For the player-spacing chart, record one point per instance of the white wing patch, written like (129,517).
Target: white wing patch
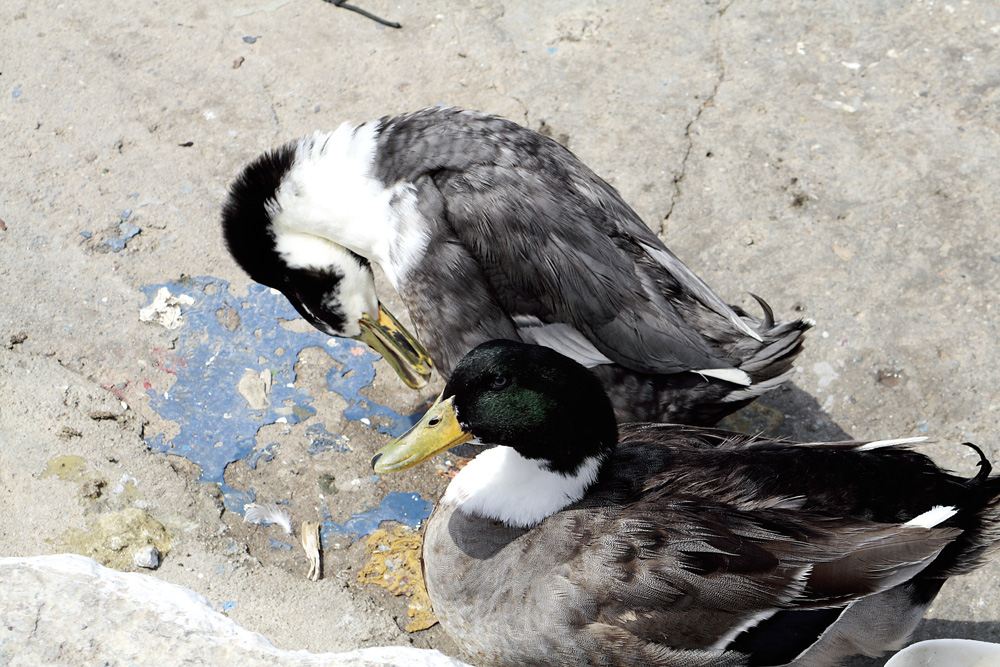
(563,338)
(932,517)
(734,375)
(408,242)
(878,444)
(791,592)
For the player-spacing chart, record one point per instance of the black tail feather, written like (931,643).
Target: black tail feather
(985,467)
(768,321)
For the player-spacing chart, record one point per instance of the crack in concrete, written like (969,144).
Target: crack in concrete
(524,108)
(709,101)
(38,617)
(265,86)
(272,107)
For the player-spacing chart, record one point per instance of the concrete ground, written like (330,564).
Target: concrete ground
(836,158)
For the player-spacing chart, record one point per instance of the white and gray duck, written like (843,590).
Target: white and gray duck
(573,541)
(489,230)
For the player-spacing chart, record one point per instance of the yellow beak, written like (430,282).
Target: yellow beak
(398,346)
(436,431)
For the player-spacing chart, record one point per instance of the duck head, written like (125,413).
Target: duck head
(330,286)
(548,418)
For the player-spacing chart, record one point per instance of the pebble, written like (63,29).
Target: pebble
(147,557)
(890,377)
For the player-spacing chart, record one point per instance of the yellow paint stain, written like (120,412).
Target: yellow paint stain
(394,564)
(116,536)
(67,468)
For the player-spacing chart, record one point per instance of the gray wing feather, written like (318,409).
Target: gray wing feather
(555,242)
(556,260)
(701,572)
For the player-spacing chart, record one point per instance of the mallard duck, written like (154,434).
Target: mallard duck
(571,541)
(489,230)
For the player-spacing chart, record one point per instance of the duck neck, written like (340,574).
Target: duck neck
(331,191)
(502,485)
(330,187)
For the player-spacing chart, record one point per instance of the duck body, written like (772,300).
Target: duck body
(677,549)
(489,230)
(682,545)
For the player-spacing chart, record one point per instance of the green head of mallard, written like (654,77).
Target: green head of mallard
(548,416)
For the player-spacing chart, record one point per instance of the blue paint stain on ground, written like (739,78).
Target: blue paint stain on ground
(278,544)
(322,441)
(406,508)
(265,455)
(216,424)
(351,379)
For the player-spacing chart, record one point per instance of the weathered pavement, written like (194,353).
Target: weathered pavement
(836,158)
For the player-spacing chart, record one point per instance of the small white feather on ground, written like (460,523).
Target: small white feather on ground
(267,514)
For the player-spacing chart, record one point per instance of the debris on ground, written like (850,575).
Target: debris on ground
(126,232)
(394,564)
(254,388)
(239,343)
(165,309)
(147,557)
(68,468)
(117,539)
(310,543)
(267,514)
(92,488)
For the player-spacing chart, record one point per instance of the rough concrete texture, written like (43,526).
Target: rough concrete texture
(836,158)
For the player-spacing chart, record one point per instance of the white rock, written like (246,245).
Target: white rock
(165,309)
(55,609)
(147,557)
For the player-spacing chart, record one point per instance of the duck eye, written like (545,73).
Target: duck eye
(499,382)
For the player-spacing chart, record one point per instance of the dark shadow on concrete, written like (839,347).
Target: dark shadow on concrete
(805,419)
(787,412)
(937,628)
